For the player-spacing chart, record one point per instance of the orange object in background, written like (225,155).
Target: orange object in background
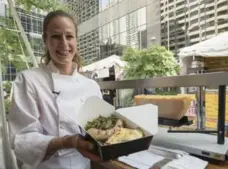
(169,106)
(174,107)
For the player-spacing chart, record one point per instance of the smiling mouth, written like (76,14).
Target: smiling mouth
(65,53)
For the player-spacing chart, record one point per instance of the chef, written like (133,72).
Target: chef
(46,100)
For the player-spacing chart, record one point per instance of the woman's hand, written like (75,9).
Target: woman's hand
(83,146)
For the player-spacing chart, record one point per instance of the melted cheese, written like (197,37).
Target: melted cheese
(124,135)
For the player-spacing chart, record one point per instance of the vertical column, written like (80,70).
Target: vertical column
(216,17)
(221,114)
(4,141)
(200,98)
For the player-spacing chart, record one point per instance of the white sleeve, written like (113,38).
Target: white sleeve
(28,142)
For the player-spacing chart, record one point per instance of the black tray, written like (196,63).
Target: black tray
(110,152)
(175,123)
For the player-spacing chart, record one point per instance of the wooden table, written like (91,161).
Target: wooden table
(119,165)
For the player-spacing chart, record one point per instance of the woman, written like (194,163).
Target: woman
(46,101)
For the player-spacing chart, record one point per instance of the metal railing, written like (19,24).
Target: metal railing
(218,80)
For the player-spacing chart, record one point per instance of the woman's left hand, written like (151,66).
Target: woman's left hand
(83,146)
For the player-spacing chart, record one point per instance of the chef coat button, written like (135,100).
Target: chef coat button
(62,126)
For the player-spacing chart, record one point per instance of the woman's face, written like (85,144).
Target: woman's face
(60,40)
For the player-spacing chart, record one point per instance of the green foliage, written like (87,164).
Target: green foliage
(127,101)
(7,103)
(45,5)
(152,62)
(7,86)
(12,47)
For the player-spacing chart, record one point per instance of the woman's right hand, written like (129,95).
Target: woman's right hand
(83,146)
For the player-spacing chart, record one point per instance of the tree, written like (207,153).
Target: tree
(152,62)
(155,61)
(12,48)
(44,5)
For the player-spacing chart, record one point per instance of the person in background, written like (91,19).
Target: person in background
(46,101)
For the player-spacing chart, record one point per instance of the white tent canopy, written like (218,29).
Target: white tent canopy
(216,46)
(100,69)
(108,62)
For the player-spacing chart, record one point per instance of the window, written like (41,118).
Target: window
(180,11)
(193,6)
(113,28)
(194,13)
(202,10)
(142,37)
(132,21)
(221,21)
(123,24)
(10,72)
(222,4)
(34,25)
(89,44)
(123,38)
(141,16)
(222,13)
(104,4)
(37,44)
(223,30)
(211,15)
(115,39)
(194,36)
(112,2)
(208,1)
(181,18)
(171,7)
(39,26)
(210,32)
(194,21)
(195,28)
(180,3)
(105,31)
(171,14)
(208,24)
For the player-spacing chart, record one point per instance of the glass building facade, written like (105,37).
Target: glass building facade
(112,30)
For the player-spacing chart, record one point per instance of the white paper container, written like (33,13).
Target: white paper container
(145,117)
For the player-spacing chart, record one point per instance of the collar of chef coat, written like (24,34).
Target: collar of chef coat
(54,69)
(62,82)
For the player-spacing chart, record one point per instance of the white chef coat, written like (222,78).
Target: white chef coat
(45,104)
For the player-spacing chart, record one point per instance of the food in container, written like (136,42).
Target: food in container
(111,130)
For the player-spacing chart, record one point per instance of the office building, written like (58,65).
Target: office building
(83,9)
(186,22)
(33,24)
(115,25)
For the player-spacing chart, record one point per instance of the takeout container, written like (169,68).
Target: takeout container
(169,106)
(144,117)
